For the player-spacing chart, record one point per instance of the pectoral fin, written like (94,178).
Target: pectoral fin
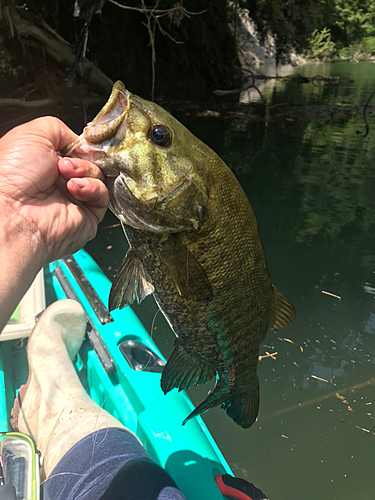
(283,311)
(189,276)
(184,371)
(131,283)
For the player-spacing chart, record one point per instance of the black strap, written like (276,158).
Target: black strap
(8,492)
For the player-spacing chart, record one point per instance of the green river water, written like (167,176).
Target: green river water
(312,187)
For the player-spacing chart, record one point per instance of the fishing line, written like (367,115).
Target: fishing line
(94,438)
(153,322)
(59,474)
(95,433)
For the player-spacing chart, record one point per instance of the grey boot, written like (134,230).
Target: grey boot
(53,407)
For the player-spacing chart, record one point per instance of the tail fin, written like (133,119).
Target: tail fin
(241,407)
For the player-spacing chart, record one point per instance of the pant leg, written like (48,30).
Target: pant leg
(109,465)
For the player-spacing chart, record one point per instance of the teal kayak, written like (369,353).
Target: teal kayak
(120,366)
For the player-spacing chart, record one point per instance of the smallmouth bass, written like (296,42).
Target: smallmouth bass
(194,244)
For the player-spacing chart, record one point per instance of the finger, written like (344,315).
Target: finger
(76,167)
(92,192)
(53,129)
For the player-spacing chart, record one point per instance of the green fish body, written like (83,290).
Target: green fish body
(194,243)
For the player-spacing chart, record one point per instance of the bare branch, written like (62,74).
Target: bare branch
(152,21)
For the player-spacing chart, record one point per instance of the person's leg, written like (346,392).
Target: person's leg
(109,465)
(86,452)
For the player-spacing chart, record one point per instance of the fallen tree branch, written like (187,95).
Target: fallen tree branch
(20,103)
(367,126)
(57,48)
(259,77)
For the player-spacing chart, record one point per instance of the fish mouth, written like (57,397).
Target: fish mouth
(93,143)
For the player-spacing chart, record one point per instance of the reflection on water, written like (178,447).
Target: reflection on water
(354,88)
(311,185)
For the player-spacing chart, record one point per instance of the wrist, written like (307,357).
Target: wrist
(21,258)
(20,239)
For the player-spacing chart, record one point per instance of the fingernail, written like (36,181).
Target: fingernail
(81,183)
(68,162)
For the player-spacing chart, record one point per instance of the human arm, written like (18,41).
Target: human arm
(49,206)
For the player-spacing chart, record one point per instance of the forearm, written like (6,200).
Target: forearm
(20,261)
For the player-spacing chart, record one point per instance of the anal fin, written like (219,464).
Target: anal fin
(184,370)
(283,311)
(131,284)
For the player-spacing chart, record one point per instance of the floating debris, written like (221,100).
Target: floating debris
(331,294)
(284,436)
(296,364)
(318,378)
(268,355)
(341,397)
(370,381)
(109,247)
(291,342)
(345,401)
(363,429)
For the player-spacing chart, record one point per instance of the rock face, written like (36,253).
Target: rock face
(252,52)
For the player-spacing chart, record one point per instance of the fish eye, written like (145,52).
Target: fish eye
(160,135)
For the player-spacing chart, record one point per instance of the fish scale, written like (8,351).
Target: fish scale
(194,243)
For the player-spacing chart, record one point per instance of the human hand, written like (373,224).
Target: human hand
(53,203)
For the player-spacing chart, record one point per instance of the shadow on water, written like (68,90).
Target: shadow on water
(202,471)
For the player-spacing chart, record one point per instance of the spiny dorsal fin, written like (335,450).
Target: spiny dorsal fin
(283,311)
(184,371)
(131,283)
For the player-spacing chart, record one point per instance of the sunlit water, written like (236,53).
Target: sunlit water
(311,185)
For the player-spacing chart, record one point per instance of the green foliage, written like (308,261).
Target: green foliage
(291,24)
(355,52)
(352,20)
(321,45)
(316,25)
(369,44)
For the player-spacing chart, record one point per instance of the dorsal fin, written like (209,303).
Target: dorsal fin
(283,311)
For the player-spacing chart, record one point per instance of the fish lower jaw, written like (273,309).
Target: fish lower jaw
(88,151)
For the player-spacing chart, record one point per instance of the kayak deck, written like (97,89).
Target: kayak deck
(120,366)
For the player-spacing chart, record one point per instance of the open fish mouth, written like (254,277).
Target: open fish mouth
(112,115)
(93,143)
